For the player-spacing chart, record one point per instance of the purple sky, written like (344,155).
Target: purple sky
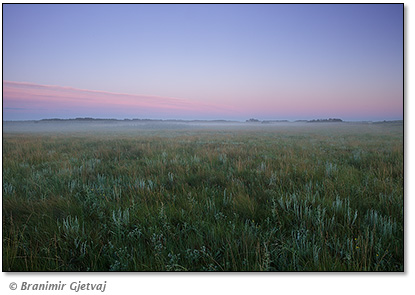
(203,61)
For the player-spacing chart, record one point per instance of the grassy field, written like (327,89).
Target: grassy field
(299,197)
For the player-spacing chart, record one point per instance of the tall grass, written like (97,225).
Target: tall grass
(292,199)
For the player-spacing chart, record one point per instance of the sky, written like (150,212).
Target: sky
(213,61)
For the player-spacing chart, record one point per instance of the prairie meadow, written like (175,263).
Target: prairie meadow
(207,197)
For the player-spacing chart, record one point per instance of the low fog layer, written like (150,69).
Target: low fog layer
(108,126)
(153,126)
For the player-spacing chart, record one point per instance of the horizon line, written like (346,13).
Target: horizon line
(250,120)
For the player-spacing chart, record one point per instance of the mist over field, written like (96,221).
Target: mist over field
(112,126)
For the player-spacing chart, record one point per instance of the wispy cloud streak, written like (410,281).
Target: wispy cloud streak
(19,95)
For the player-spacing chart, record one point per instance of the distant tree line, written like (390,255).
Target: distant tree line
(325,120)
(79,119)
(329,120)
